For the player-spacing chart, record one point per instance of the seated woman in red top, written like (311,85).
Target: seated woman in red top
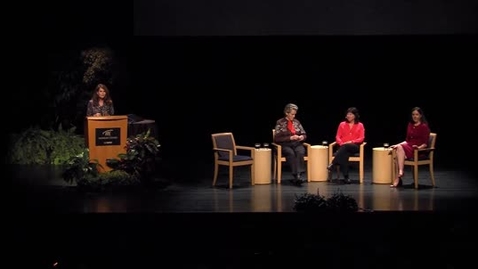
(418,134)
(350,134)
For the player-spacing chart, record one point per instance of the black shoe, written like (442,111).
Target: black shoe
(296,182)
(300,179)
(347,180)
(330,166)
(329,176)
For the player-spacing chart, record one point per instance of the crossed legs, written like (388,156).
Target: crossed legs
(399,164)
(342,159)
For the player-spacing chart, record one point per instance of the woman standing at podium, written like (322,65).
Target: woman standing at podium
(101,103)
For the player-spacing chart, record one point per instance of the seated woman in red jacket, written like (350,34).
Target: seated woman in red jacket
(350,134)
(418,134)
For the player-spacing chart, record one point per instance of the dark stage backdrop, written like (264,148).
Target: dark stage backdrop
(197,86)
(100,18)
(214,67)
(309,17)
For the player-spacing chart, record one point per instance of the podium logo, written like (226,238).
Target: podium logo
(107,132)
(108,136)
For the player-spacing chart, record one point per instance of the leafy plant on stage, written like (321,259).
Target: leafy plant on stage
(73,76)
(338,202)
(308,202)
(117,179)
(81,170)
(109,181)
(35,146)
(134,168)
(141,158)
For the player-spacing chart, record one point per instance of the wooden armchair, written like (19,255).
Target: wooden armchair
(225,153)
(278,159)
(358,157)
(420,157)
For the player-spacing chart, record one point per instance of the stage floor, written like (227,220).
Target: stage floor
(192,225)
(41,189)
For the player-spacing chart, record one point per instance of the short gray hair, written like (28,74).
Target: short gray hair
(290,107)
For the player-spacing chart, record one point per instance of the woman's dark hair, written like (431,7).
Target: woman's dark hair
(420,111)
(354,111)
(95,97)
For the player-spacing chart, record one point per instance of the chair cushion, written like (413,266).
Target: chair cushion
(236,158)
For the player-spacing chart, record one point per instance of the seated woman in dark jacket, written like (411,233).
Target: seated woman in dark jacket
(290,134)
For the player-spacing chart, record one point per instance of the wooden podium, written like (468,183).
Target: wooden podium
(106,138)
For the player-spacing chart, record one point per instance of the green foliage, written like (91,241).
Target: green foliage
(141,157)
(98,63)
(118,178)
(39,147)
(112,180)
(338,202)
(29,147)
(310,202)
(65,144)
(134,168)
(72,80)
(80,168)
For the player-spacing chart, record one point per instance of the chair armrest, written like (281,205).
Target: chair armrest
(425,149)
(362,146)
(331,150)
(307,147)
(278,149)
(250,149)
(225,150)
(245,148)
(417,151)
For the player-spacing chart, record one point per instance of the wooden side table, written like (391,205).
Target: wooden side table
(382,172)
(318,158)
(262,166)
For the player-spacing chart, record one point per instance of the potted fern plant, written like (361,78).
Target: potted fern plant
(81,170)
(137,167)
(141,158)
(337,203)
